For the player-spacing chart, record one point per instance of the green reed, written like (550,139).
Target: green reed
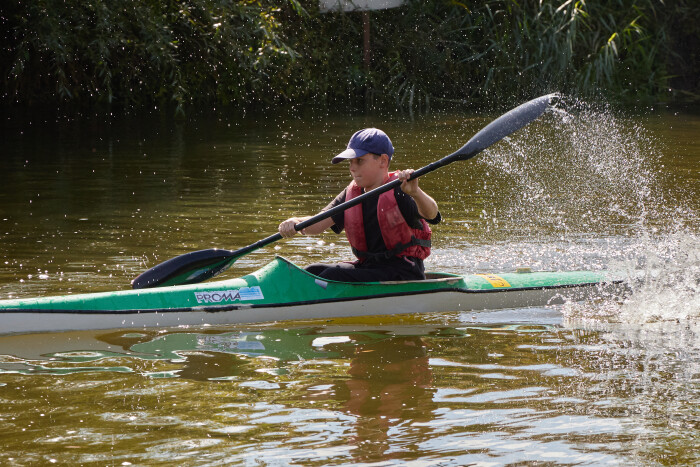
(133,54)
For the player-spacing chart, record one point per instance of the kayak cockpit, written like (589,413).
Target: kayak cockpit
(430,277)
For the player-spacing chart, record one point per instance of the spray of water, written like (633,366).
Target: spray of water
(584,188)
(664,276)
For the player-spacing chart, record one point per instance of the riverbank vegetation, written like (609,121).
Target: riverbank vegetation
(125,55)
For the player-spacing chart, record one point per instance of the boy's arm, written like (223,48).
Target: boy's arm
(427,207)
(287,230)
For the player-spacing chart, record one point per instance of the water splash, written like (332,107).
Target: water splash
(578,171)
(665,285)
(669,286)
(585,188)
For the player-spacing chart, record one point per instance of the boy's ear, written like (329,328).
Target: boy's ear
(385,160)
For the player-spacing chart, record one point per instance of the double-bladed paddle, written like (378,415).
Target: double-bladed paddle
(201,265)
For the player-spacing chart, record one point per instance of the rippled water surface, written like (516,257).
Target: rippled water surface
(88,205)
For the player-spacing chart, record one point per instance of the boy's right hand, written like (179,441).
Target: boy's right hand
(286,228)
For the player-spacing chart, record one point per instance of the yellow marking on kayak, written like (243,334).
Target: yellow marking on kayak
(496,281)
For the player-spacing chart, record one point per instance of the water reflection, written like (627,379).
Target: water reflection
(467,392)
(388,389)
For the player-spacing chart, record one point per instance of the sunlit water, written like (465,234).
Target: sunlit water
(87,207)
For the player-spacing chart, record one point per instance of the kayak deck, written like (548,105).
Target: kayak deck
(283,291)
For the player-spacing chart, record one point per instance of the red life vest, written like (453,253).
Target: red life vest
(399,238)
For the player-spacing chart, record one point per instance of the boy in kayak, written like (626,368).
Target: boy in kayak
(389,234)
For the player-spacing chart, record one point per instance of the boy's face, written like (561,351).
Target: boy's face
(369,170)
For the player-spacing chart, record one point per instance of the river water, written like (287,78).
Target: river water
(88,204)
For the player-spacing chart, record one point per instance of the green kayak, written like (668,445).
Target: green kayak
(282,291)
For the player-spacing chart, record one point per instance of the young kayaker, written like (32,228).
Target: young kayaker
(389,234)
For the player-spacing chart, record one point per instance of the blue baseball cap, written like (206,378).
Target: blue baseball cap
(369,140)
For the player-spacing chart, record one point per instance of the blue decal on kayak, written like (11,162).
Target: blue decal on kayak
(218,296)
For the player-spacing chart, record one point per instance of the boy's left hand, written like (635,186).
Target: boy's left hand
(408,187)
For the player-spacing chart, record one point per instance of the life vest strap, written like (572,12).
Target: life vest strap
(394,252)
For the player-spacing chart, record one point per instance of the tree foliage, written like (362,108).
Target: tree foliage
(138,52)
(126,54)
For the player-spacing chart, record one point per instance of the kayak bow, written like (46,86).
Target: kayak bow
(282,291)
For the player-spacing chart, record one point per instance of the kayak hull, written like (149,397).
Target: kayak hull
(281,291)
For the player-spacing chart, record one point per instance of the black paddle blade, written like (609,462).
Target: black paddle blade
(189,268)
(504,125)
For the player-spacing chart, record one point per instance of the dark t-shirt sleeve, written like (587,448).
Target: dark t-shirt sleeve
(338,219)
(409,209)
(406,204)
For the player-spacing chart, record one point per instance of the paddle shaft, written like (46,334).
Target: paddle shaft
(201,265)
